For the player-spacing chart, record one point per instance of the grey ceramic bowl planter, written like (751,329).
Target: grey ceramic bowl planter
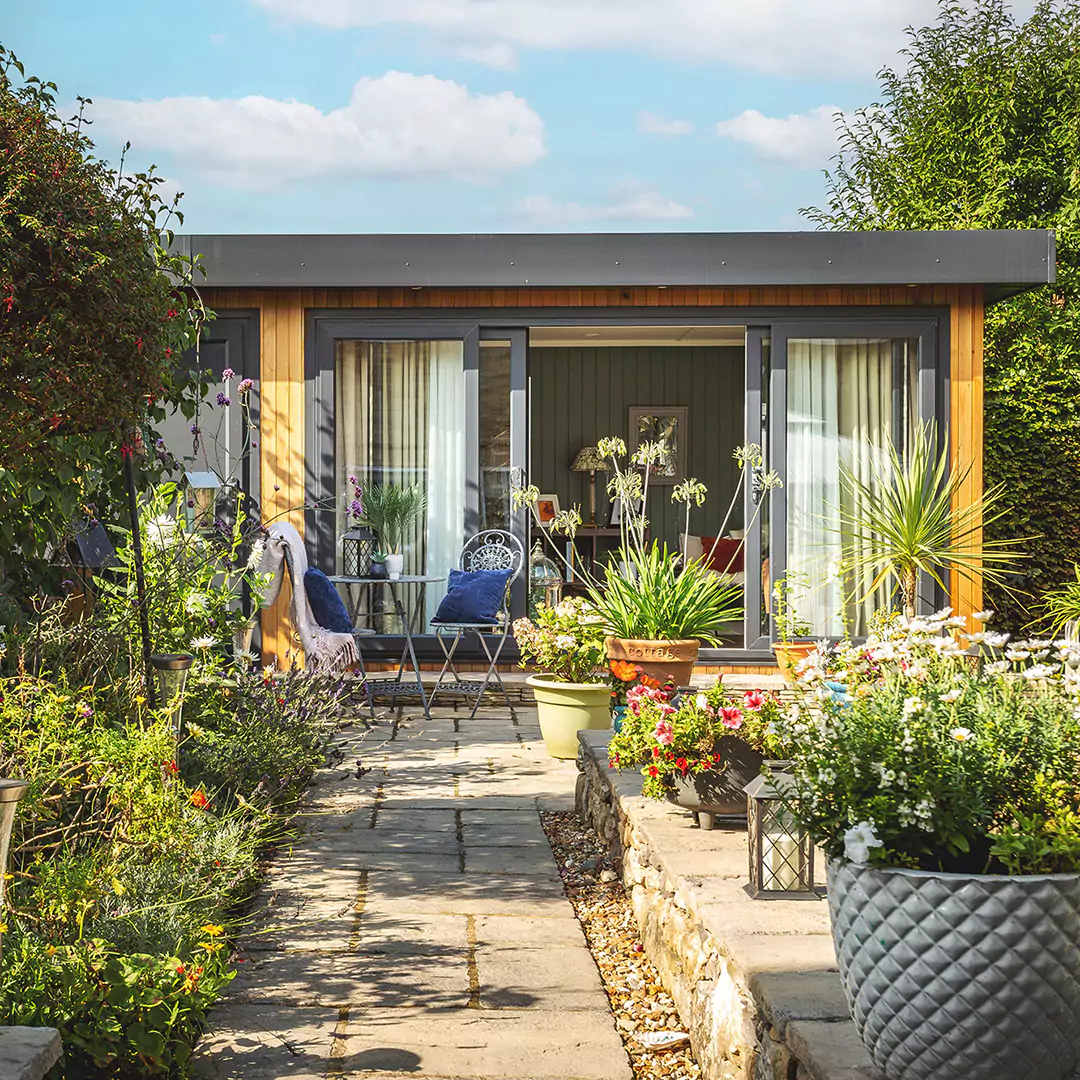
(961,977)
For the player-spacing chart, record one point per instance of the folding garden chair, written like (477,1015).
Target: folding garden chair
(492,549)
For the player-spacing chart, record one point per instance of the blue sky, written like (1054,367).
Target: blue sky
(471,115)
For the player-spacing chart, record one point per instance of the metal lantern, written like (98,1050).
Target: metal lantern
(781,853)
(357,547)
(172,672)
(11,791)
(545,581)
(202,489)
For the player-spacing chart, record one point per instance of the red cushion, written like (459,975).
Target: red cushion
(728,556)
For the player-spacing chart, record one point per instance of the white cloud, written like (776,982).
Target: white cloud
(396,125)
(821,37)
(496,55)
(629,203)
(805,140)
(655,124)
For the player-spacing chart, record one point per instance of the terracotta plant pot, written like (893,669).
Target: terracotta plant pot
(667,661)
(564,709)
(789,654)
(714,794)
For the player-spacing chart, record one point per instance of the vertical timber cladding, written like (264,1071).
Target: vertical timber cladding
(282,342)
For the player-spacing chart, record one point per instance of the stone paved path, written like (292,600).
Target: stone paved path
(419,926)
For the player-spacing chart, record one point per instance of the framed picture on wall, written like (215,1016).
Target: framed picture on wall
(615,514)
(665,425)
(547,508)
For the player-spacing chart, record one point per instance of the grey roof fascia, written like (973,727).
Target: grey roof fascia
(1005,260)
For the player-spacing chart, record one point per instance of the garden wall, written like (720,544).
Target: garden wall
(755,982)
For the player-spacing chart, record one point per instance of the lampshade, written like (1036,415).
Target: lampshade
(589,460)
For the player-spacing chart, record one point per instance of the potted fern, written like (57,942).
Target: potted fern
(391,510)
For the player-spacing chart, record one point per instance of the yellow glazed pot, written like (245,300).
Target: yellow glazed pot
(567,708)
(789,654)
(666,661)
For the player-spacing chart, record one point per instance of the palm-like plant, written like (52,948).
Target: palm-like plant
(390,509)
(912,516)
(1060,608)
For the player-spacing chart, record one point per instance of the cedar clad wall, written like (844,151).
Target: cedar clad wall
(282,371)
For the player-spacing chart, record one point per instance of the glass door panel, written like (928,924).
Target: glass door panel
(494,435)
(848,399)
(399,416)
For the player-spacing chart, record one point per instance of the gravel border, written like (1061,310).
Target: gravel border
(638,1000)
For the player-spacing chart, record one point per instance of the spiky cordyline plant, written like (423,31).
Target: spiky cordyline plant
(1060,608)
(647,591)
(913,517)
(391,509)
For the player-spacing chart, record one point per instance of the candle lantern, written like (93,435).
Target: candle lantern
(781,853)
(11,791)
(202,490)
(545,581)
(172,672)
(357,547)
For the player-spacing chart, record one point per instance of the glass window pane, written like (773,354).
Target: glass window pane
(400,419)
(494,408)
(847,398)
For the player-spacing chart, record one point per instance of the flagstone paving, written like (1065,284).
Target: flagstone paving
(418,926)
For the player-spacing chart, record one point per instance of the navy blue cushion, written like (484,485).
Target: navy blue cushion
(473,596)
(326,603)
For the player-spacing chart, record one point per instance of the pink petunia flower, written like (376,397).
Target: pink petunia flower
(663,733)
(754,700)
(731,718)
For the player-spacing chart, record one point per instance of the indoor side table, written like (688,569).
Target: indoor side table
(398,685)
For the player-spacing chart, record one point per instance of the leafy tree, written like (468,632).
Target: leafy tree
(981,131)
(94,313)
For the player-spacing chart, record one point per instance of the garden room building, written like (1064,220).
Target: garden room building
(472,364)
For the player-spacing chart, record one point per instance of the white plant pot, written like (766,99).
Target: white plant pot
(564,709)
(394,563)
(961,976)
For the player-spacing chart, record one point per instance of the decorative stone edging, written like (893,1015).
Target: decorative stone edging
(28,1053)
(755,982)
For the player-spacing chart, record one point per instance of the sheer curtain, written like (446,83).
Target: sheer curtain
(400,419)
(847,398)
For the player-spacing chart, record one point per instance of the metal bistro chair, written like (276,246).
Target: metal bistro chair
(492,549)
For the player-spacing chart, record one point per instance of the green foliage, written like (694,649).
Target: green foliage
(664,598)
(981,130)
(908,518)
(1060,608)
(566,641)
(933,761)
(790,625)
(390,510)
(94,312)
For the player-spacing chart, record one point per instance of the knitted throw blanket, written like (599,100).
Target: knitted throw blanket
(324,650)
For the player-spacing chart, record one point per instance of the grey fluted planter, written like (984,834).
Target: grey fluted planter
(961,977)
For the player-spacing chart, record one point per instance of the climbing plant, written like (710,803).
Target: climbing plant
(980,129)
(95,309)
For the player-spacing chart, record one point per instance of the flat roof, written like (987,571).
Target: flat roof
(1005,261)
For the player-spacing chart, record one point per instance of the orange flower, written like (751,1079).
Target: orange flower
(650,682)
(623,670)
(199,799)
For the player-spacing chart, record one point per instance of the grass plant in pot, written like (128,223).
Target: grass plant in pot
(795,643)
(657,605)
(697,750)
(566,646)
(943,792)
(391,511)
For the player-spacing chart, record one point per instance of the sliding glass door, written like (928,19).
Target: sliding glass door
(848,399)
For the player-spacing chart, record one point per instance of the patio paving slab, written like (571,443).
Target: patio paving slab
(418,924)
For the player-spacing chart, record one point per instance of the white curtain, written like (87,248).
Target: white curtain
(400,419)
(842,410)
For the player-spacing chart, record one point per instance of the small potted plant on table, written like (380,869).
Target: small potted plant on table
(944,795)
(697,750)
(391,510)
(566,646)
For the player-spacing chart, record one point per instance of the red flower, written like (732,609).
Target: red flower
(731,718)
(138,344)
(649,681)
(199,799)
(669,756)
(754,699)
(171,768)
(682,764)
(656,751)
(653,770)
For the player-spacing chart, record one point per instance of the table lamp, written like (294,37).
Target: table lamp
(589,460)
